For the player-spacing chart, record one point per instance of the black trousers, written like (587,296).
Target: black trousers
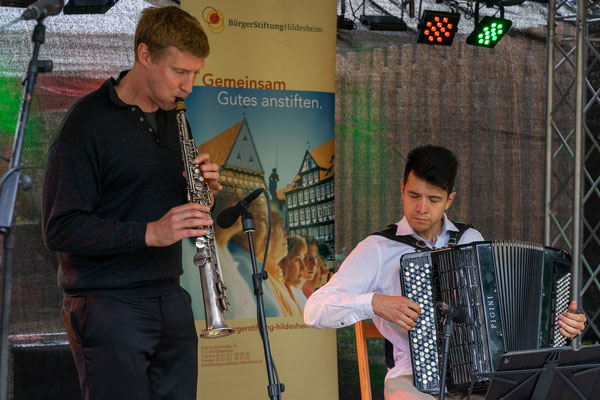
(133,348)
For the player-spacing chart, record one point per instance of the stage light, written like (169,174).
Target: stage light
(489,31)
(88,6)
(381,22)
(438,27)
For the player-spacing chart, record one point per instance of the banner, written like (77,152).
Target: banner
(263,108)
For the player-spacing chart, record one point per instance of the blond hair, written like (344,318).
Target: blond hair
(162,27)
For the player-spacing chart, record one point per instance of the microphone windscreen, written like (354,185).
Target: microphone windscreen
(43,8)
(226,218)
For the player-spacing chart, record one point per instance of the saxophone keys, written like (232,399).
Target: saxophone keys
(223,303)
(201,256)
(220,286)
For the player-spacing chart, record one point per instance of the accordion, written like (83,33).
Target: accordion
(511,292)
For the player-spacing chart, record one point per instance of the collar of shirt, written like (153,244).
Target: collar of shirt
(441,240)
(135,112)
(112,92)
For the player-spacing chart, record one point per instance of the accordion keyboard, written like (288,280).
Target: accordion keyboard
(424,342)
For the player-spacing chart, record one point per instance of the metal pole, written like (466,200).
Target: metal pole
(9,186)
(549,112)
(578,175)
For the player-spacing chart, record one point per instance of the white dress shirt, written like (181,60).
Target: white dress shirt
(373,267)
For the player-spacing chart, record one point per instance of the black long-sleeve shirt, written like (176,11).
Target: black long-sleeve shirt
(109,173)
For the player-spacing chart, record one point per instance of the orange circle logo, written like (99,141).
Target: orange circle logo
(214,18)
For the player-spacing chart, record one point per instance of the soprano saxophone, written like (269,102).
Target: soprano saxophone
(207,257)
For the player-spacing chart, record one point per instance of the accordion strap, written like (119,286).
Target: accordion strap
(389,232)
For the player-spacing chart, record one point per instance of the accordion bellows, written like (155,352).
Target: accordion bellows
(512,293)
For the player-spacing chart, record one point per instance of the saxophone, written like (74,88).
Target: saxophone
(206,258)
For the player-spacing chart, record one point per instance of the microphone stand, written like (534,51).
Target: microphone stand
(447,332)
(275,388)
(9,185)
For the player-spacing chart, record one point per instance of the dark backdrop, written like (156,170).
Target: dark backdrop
(486,105)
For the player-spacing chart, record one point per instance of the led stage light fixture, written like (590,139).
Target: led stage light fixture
(489,31)
(438,27)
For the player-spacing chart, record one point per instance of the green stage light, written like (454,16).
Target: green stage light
(489,31)
(438,27)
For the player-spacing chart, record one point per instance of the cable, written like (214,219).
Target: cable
(269,232)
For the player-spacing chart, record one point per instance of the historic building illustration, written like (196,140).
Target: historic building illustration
(309,199)
(234,150)
(307,203)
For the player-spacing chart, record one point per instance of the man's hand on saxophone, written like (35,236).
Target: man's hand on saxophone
(183,221)
(178,223)
(210,172)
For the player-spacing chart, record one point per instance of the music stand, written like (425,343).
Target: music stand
(560,373)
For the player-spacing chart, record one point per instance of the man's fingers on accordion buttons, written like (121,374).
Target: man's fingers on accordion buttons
(578,322)
(580,317)
(408,314)
(569,329)
(572,319)
(415,307)
(407,322)
(409,307)
(565,333)
(415,312)
(405,326)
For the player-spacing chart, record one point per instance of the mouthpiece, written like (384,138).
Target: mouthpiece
(179,105)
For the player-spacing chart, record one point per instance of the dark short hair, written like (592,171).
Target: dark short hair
(434,164)
(161,27)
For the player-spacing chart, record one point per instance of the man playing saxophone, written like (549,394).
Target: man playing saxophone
(115,210)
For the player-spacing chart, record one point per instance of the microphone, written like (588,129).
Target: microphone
(42,9)
(228,216)
(456,313)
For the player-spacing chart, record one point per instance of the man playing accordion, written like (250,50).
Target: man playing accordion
(367,284)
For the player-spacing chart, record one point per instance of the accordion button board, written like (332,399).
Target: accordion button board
(418,282)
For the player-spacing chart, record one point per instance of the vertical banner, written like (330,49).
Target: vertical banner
(263,108)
